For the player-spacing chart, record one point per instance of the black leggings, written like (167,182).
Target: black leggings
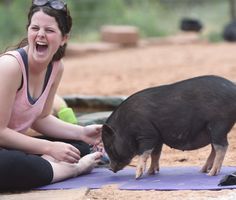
(21,171)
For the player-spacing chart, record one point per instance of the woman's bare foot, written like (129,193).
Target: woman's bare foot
(88,162)
(63,170)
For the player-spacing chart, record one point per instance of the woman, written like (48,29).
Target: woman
(30,76)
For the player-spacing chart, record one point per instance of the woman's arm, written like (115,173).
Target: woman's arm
(49,125)
(61,151)
(10,81)
(54,127)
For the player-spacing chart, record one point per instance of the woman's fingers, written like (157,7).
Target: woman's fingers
(75,150)
(73,155)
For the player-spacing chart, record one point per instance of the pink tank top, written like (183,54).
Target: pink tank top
(25,113)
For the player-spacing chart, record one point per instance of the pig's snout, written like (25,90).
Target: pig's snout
(115,167)
(113,170)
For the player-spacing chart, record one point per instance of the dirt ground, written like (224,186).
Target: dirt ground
(125,71)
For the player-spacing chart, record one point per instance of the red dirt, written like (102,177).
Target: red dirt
(125,71)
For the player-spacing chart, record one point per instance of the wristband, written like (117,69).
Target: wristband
(67,114)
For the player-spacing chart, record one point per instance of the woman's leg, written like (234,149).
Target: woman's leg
(63,170)
(21,171)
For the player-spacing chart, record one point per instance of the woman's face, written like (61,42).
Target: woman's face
(44,37)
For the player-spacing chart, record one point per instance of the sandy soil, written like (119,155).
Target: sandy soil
(125,71)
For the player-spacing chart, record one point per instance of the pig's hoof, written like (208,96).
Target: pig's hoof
(213,172)
(205,169)
(152,171)
(139,173)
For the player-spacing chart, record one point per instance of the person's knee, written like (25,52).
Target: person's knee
(22,171)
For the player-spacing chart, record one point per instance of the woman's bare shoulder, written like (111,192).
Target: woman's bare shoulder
(9,64)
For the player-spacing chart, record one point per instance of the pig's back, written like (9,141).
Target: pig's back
(199,92)
(200,98)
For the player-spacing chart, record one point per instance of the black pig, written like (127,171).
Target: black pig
(186,115)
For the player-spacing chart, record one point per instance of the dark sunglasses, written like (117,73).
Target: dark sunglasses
(55,4)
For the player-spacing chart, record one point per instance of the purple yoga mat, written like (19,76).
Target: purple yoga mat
(169,178)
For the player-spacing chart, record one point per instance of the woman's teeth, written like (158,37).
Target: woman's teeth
(41,46)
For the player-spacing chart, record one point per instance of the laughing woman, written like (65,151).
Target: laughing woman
(30,76)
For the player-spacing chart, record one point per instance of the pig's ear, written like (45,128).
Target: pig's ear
(108,131)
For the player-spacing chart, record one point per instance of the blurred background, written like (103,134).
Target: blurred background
(154,18)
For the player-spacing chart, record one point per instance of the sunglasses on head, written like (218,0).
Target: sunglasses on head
(55,4)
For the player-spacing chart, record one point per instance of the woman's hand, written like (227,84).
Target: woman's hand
(64,152)
(92,134)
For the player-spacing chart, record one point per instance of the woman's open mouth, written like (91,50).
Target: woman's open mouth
(41,47)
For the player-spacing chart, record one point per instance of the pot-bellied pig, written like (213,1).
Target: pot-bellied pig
(186,115)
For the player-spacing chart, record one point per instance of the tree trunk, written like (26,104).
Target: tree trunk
(232,9)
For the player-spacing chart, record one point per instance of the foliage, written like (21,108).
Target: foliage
(152,17)
(12,22)
(90,15)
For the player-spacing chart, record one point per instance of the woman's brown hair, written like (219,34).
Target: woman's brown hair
(63,19)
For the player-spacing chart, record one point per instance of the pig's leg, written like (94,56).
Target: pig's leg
(142,160)
(218,132)
(209,162)
(155,156)
(219,157)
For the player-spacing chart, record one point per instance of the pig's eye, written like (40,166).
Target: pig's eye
(114,153)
